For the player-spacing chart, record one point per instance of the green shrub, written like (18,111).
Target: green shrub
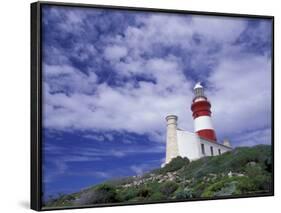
(175,164)
(157,196)
(183,193)
(103,193)
(144,192)
(230,186)
(60,200)
(198,188)
(228,189)
(268,164)
(215,188)
(246,185)
(259,177)
(128,194)
(168,188)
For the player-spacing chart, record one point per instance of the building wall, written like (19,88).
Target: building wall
(216,147)
(188,144)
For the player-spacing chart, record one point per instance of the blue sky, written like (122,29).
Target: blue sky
(110,78)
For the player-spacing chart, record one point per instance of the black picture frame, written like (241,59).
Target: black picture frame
(36,98)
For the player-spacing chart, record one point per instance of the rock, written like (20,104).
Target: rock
(252,163)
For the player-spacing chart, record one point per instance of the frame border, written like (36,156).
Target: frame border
(36,121)
(36,100)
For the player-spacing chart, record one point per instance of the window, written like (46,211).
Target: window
(203,149)
(219,151)
(212,151)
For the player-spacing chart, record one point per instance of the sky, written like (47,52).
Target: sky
(110,77)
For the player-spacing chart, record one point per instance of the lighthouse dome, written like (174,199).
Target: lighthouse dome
(198,85)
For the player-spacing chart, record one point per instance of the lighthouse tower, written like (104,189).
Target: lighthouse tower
(200,143)
(201,112)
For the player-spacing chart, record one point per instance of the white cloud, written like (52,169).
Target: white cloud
(115,52)
(66,77)
(260,136)
(221,29)
(240,82)
(242,96)
(57,70)
(95,137)
(141,110)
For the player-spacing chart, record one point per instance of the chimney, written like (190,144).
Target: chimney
(226,143)
(171,139)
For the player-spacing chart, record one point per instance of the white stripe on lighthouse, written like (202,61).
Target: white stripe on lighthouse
(202,122)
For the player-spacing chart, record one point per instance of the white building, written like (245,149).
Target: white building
(202,142)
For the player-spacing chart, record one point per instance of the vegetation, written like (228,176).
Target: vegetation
(244,171)
(175,164)
(103,193)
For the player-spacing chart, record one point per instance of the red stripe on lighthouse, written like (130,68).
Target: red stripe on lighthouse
(201,113)
(201,108)
(208,134)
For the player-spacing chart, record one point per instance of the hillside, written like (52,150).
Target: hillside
(244,171)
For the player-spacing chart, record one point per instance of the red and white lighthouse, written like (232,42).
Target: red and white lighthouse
(201,112)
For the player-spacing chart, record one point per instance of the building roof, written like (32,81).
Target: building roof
(198,85)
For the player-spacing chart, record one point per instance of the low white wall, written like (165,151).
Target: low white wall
(216,147)
(188,145)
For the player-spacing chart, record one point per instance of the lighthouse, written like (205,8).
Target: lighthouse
(201,112)
(202,141)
